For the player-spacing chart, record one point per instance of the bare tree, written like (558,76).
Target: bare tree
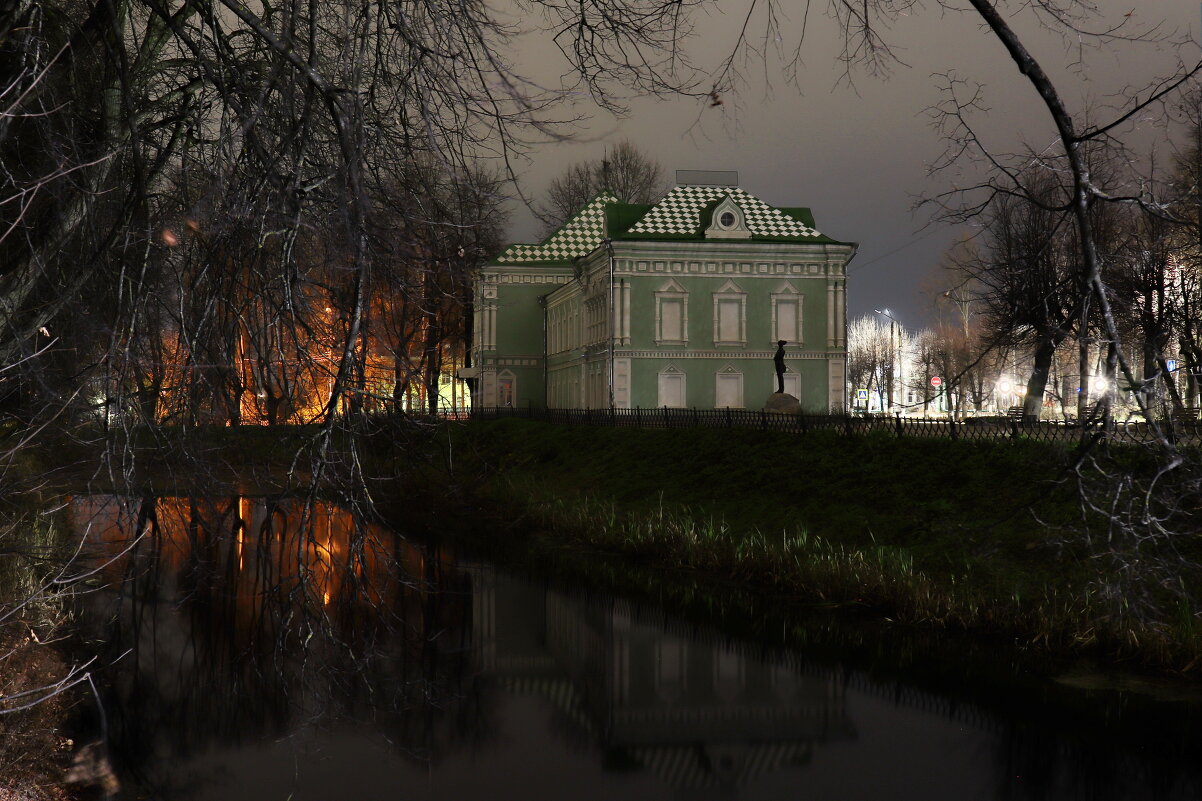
(871,357)
(925,365)
(624,170)
(1185,272)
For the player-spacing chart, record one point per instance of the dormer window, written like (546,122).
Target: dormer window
(728,221)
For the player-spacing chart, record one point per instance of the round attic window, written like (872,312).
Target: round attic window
(727,220)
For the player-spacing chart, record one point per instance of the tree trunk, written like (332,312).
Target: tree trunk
(1038,382)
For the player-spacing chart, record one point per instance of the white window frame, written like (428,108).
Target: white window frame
(671,292)
(503,377)
(673,372)
(787,293)
(730,375)
(792,382)
(731,292)
(736,230)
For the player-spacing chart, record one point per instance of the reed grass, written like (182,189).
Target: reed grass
(802,567)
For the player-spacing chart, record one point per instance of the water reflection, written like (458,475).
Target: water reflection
(238,620)
(698,713)
(267,648)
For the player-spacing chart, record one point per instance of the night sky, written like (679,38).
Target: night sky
(858,153)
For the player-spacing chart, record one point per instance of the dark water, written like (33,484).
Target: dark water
(257,650)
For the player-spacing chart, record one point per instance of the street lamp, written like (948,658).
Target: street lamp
(1004,388)
(893,362)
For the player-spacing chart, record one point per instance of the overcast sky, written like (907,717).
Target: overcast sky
(858,155)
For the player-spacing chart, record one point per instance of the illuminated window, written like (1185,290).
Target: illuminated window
(506,388)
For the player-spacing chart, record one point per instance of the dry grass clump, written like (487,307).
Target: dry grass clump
(33,753)
(800,565)
(35,681)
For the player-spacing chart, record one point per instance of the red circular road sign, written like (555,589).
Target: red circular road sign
(936,380)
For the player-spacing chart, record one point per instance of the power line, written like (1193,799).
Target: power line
(854,267)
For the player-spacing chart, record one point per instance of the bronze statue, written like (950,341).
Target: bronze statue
(779,361)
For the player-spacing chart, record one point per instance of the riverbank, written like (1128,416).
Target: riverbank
(989,539)
(37,686)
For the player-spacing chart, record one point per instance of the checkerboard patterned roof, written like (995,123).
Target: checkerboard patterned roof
(580,235)
(680,213)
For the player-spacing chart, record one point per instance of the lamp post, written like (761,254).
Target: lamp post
(893,362)
(1005,390)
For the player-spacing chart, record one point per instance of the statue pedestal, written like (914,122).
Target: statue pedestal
(782,403)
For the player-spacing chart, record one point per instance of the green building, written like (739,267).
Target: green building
(677,304)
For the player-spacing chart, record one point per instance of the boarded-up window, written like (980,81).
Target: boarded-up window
(786,320)
(728,321)
(728,391)
(671,320)
(671,390)
(792,384)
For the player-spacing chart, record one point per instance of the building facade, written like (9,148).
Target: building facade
(677,304)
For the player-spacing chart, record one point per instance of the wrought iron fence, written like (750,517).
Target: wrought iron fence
(984,429)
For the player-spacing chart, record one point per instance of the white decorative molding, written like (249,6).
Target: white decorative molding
(836,380)
(488,327)
(672,387)
(507,389)
(728,221)
(622,383)
(488,385)
(830,314)
(728,388)
(783,297)
(841,314)
(533,278)
(671,293)
(733,296)
(624,333)
(771,269)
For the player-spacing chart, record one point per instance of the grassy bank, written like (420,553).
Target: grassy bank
(35,679)
(986,538)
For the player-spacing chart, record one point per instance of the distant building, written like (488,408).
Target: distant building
(676,304)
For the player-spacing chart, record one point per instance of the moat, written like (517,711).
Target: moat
(262,648)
